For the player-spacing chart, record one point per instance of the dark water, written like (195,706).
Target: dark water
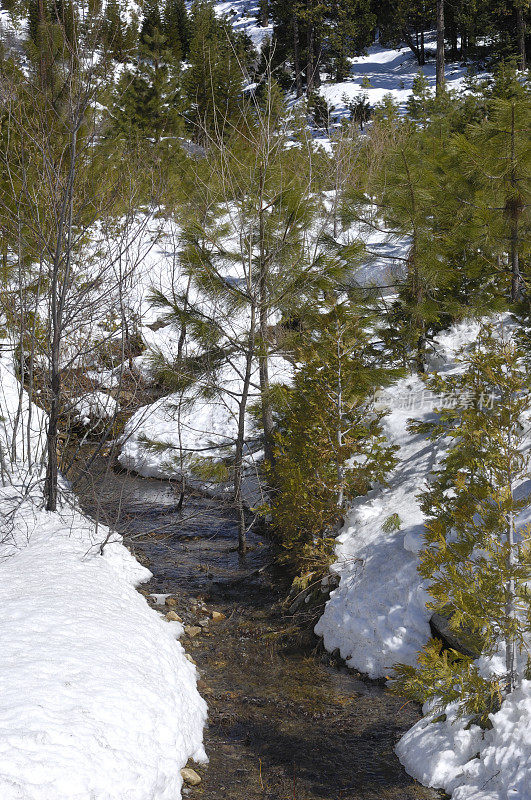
(285,722)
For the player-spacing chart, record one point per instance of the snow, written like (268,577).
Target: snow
(97,700)
(445,755)
(192,426)
(94,407)
(386,71)
(243,15)
(377,616)
(21,422)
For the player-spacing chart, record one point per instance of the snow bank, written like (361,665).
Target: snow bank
(97,701)
(192,427)
(387,71)
(377,616)
(94,407)
(22,424)
(474,764)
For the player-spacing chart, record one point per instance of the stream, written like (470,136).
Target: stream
(286,722)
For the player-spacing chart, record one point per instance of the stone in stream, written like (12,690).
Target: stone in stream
(171,602)
(218,616)
(172,616)
(192,630)
(190,776)
(203,622)
(190,659)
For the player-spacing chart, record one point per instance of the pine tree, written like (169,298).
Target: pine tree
(491,187)
(176,28)
(213,82)
(476,557)
(146,102)
(330,446)
(349,32)
(151,21)
(114,32)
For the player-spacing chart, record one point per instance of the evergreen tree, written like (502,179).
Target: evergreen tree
(151,21)
(491,187)
(146,102)
(475,559)
(214,81)
(176,28)
(115,33)
(330,446)
(350,31)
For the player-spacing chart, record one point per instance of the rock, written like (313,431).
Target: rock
(192,630)
(217,616)
(203,622)
(190,659)
(171,602)
(190,776)
(461,640)
(172,616)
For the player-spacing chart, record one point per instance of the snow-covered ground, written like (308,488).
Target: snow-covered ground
(97,697)
(385,71)
(474,764)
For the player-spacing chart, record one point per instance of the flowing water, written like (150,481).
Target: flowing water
(285,721)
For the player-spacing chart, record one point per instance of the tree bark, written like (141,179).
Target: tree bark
(439,79)
(296,57)
(520,36)
(263,359)
(240,439)
(264,13)
(309,62)
(59,289)
(513,208)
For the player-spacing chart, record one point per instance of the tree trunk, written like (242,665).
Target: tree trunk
(513,208)
(58,290)
(317,49)
(240,439)
(520,36)
(264,13)
(510,610)
(309,62)
(263,360)
(439,79)
(422,50)
(339,462)
(296,57)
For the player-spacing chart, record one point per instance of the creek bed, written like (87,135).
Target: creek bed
(285,722)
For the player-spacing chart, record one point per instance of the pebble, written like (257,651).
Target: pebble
(171,602)
(203,622)
(189,657)
(190,776)
(217,616)
(192,630)
(172,616)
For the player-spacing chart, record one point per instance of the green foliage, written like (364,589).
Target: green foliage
(443,676)
(213,83)
(329,447)
(359,108)
(319,110)
(146,102)
(392,523)
(176,27)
